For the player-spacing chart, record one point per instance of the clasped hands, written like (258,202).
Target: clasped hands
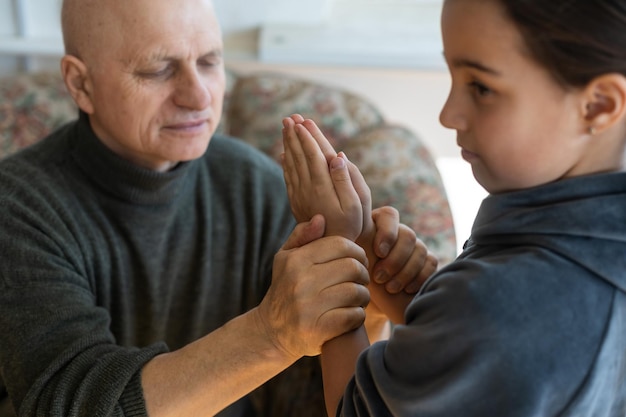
(321,181)
(321,276)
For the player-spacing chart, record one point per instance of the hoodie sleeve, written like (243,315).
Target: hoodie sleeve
(486,338)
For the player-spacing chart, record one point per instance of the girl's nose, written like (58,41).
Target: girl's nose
(451,115)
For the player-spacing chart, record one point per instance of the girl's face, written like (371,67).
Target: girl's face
(515,124)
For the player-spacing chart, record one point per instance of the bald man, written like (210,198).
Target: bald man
(144,272)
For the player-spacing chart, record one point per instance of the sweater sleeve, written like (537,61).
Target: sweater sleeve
(58,356)
(79,297)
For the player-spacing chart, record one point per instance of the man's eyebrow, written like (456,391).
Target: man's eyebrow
(215,53)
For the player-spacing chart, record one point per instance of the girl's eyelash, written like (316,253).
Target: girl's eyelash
(480,88)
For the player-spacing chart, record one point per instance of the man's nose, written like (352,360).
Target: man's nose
(192,91)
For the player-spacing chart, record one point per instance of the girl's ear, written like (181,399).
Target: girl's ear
(78,82)
(604,102)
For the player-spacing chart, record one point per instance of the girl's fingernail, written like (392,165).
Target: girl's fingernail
(337,163)
(393,287)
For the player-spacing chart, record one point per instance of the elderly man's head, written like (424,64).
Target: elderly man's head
(149,73)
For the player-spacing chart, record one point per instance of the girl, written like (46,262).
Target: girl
(530,319)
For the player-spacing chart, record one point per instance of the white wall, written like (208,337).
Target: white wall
(373,33)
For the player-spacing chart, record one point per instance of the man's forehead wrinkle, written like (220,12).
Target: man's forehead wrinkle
(144,57)
(163,55)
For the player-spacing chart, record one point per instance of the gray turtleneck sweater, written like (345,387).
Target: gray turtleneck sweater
(104,265)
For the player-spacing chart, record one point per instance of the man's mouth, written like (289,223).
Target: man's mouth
(189,126)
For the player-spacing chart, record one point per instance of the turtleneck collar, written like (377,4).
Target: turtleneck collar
(120,177)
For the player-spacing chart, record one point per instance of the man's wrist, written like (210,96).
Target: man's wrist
(268,338)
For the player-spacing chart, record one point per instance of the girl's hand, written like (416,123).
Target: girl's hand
(319,182)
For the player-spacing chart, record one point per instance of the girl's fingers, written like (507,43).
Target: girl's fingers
(342,183)
(294,162)
(321,139)
(429,267)
(362,189)
(387,222)
(297,118)
(317,164)
(287,177)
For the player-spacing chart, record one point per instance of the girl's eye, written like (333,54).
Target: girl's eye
(480,89)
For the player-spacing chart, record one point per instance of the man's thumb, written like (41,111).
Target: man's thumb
(305,233)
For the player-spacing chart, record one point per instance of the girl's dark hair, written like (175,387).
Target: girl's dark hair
(576,40)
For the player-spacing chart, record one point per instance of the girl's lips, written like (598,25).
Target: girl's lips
(468,156)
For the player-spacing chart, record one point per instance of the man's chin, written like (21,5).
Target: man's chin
(194,151)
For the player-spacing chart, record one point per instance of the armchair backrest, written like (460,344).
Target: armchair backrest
(398,167)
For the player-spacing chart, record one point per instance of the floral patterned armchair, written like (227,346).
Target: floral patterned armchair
(395,163)
(397,166)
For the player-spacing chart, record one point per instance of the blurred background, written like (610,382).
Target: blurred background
(388,51)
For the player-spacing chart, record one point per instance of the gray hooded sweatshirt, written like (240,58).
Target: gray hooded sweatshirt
(530,320)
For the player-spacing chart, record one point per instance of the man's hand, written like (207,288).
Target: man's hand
(318,290)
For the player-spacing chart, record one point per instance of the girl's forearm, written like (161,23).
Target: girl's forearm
(338,361)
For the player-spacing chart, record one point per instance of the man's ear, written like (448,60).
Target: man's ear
(604,102)
(77,81)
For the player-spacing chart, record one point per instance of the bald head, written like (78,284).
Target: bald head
(90,27)
(149,74)
(77,17)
